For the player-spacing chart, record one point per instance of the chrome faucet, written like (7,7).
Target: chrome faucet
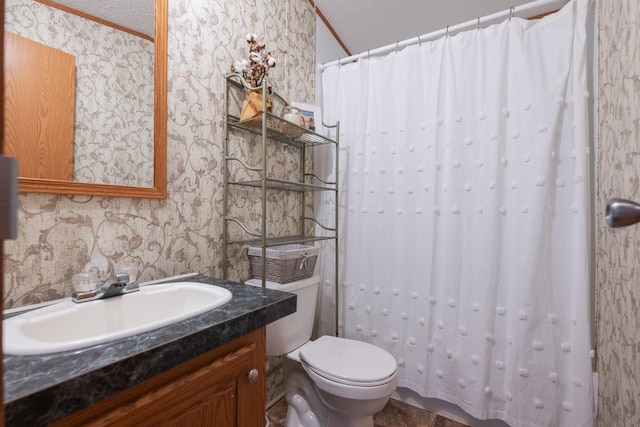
(116,285)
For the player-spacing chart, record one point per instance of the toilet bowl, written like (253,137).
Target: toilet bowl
(353,379)
(331,381)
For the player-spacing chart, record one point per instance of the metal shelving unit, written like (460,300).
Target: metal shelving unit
(271,129)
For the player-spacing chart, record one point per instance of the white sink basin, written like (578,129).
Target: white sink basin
(70,326)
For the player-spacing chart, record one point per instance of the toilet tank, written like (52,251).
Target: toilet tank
(290,332)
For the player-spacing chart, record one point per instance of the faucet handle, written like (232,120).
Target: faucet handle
(122,277)
(123,280)
(83,282)
(118,284)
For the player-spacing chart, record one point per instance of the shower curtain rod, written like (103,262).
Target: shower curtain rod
(526,10)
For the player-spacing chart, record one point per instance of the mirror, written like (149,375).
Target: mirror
(154,187)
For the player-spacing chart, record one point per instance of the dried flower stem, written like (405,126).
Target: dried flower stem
(256,68)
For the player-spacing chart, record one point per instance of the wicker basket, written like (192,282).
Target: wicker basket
(286,263)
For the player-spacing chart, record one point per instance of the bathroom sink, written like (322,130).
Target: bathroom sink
(70,326)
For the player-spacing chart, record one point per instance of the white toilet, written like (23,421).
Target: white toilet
(334,382)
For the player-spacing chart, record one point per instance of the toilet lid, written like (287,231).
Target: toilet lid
(348,360)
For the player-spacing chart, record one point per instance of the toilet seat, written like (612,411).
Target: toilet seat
(345,381)
(362,391)
(348,362)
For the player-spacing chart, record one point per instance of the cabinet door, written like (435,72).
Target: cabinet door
(221,392)
(206,397)
(219,409)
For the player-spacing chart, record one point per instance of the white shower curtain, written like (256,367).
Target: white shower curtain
(464,215)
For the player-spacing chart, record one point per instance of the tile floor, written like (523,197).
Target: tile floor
(395,414)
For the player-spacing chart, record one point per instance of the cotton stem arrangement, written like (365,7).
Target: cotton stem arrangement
(254,69)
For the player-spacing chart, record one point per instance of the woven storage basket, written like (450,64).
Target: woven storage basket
(285,263)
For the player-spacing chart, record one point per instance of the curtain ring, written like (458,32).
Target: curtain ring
(478,28)
(511,10)
(339,62)
(419,41)
(398,42)
(447,33)
(368,54)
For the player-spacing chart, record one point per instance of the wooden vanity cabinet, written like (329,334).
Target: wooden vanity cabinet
(223,388)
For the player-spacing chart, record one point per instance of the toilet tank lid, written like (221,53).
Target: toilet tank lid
(348,360)
(287,287)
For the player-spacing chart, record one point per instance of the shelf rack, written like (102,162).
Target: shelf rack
(271,128)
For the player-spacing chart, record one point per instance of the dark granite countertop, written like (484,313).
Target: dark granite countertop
(43,388)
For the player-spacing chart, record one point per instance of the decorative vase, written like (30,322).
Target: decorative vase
(252,107)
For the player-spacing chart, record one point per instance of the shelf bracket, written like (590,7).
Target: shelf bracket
(244,164)
(313,175)
(246,230)
(318,224)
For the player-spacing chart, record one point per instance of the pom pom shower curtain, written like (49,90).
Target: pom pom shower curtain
(464,215)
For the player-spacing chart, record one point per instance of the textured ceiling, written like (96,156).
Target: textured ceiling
(368,24)
(361,24)
(136,15)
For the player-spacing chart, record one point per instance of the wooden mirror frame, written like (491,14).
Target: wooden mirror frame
(159,189)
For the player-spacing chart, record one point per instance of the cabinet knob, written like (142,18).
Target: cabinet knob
(253,375)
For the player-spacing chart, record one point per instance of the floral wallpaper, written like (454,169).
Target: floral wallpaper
(114,91)
(63,235)
(618,250)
